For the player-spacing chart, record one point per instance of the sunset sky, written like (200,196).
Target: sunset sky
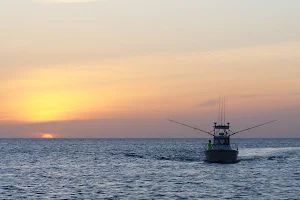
(120,68)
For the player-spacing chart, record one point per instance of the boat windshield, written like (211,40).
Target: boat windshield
(221,141)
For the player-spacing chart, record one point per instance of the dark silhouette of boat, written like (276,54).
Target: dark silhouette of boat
(221,150)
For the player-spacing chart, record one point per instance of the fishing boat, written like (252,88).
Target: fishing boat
(221,150)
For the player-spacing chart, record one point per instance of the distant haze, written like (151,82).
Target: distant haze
(115,68)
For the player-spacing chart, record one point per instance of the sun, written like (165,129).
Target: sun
(47,136)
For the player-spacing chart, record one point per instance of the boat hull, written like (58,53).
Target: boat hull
(221,156)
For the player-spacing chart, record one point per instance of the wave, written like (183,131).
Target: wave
(180,158)
(133,155)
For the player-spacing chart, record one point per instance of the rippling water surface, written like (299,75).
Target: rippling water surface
(146,169)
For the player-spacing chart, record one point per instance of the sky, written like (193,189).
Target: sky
(121,68)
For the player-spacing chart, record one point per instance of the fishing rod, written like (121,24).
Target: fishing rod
(210,133)
(233,133)
(195,128)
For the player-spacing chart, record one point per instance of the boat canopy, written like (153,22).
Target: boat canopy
(221,127)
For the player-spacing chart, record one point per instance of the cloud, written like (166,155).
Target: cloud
(65,1)
(209,103)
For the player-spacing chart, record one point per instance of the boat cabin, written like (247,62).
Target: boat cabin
(221,140)
(221,137)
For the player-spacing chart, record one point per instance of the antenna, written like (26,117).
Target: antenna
(219,120)
(221,113)
(218,115)
(224,112)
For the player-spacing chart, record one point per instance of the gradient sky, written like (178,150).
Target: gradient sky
(120,68)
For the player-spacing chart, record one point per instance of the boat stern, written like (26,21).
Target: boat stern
(221,156)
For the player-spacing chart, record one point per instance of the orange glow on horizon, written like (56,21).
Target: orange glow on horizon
(47,136)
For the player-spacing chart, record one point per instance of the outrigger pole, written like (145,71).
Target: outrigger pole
(191,127)
(233,133)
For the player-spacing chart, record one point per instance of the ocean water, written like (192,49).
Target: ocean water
(146,169)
